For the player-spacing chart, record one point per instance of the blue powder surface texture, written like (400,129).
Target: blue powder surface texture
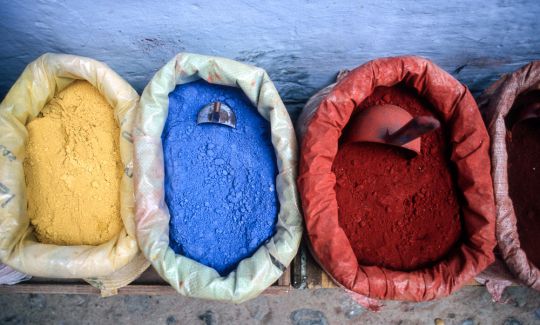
(219,181)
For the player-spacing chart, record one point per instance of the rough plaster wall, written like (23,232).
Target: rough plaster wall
(300,43)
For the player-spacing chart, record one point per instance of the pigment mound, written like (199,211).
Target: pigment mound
(219,181)
(398,212)
(524,183)
(73,169)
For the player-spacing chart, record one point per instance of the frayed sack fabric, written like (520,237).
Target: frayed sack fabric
(107,266)
(254,274)
(469,143)
(496,103)
(496,278)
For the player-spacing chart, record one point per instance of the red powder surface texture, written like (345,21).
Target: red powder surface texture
(398,210)
(524,184)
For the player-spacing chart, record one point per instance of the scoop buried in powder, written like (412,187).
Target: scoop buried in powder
(217,113)
(390,124)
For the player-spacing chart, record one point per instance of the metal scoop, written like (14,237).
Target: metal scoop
(217,113)
(391,125)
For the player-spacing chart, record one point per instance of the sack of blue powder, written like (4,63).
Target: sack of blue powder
(217,209)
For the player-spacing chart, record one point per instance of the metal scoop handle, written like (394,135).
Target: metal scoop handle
(415,128)
(215,115)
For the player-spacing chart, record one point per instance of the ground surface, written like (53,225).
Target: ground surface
(471,305)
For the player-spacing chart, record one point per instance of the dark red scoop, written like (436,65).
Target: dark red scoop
(391,125)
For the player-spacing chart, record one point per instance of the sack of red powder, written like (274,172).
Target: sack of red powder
(515,154)
(468,143)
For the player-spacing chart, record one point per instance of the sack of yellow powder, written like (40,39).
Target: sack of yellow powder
(66,189)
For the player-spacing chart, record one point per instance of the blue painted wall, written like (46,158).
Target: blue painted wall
(300,43)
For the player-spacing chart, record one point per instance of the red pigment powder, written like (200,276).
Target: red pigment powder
(524,183)
(398,210)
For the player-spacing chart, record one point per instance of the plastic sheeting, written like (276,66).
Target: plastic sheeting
(188,277)
(10,276)
(38,83)
(496,103)
(470,143)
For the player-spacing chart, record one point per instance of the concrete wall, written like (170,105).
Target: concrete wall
(300,43)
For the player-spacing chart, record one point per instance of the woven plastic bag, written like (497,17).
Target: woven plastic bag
(107,266)
(496,103)
(188,277)
(323,124)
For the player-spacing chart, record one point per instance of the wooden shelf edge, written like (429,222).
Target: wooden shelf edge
(85,289)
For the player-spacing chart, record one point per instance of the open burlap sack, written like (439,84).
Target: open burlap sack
(496,103)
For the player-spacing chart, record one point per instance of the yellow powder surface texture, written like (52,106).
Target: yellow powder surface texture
(73,169)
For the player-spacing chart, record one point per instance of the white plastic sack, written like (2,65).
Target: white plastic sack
(190,278)
(38,83)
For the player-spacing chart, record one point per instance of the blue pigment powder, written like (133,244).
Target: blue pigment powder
(219,181)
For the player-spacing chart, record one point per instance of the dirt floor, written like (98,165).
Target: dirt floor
(471,305)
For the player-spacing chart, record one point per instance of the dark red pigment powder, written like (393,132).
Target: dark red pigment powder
(524,182)
(398,211)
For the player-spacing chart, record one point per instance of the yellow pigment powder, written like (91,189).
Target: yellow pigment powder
(73,169)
